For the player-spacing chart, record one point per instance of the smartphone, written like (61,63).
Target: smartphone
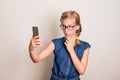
(35,31)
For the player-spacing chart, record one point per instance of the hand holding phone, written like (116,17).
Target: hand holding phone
(35,41)
(35,31)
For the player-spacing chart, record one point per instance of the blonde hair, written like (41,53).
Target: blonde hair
(76,16)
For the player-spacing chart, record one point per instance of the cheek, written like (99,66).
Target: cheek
(67,32)
(72,32)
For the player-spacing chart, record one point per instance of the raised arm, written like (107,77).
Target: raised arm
(38,56)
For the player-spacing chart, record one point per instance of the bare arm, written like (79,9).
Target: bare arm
(34,43)
(80,65)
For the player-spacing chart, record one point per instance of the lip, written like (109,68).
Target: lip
(66,32)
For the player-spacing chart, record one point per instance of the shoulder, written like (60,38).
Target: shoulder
(85,44)
(59,38)
(58,41)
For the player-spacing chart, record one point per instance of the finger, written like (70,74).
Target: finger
(71,39)
(35,37)
(38,40)
(39,43)
(34,43)
(65,43)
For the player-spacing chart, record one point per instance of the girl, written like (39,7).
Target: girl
(71,54)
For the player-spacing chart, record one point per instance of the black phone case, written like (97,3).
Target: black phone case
(35,31)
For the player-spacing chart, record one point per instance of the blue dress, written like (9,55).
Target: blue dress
(63,68)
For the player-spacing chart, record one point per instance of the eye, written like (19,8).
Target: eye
(63,25)
(70,26)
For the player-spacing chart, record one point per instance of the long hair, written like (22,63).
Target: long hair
(76,16)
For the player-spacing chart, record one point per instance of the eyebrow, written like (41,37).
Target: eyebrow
(68,25)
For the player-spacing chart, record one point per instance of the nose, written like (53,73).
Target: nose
(66,29)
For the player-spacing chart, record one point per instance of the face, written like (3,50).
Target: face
(69,27)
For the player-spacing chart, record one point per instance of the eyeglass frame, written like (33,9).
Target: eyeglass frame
(63,27)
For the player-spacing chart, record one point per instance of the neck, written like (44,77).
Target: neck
(70,36)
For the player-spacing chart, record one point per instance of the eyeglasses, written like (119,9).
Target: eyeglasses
(63,27)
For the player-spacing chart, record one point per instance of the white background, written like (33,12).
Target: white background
(100,22)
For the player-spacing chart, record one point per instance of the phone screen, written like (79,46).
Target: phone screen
(35,31)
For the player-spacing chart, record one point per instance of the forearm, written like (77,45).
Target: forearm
(33,55)
(80,67)
(38,56)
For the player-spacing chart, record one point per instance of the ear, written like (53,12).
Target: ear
(77,27)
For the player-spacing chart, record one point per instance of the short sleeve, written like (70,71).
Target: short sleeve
(54,42)
(85,45)
(58,42)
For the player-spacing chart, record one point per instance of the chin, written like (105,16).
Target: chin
(67,34)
